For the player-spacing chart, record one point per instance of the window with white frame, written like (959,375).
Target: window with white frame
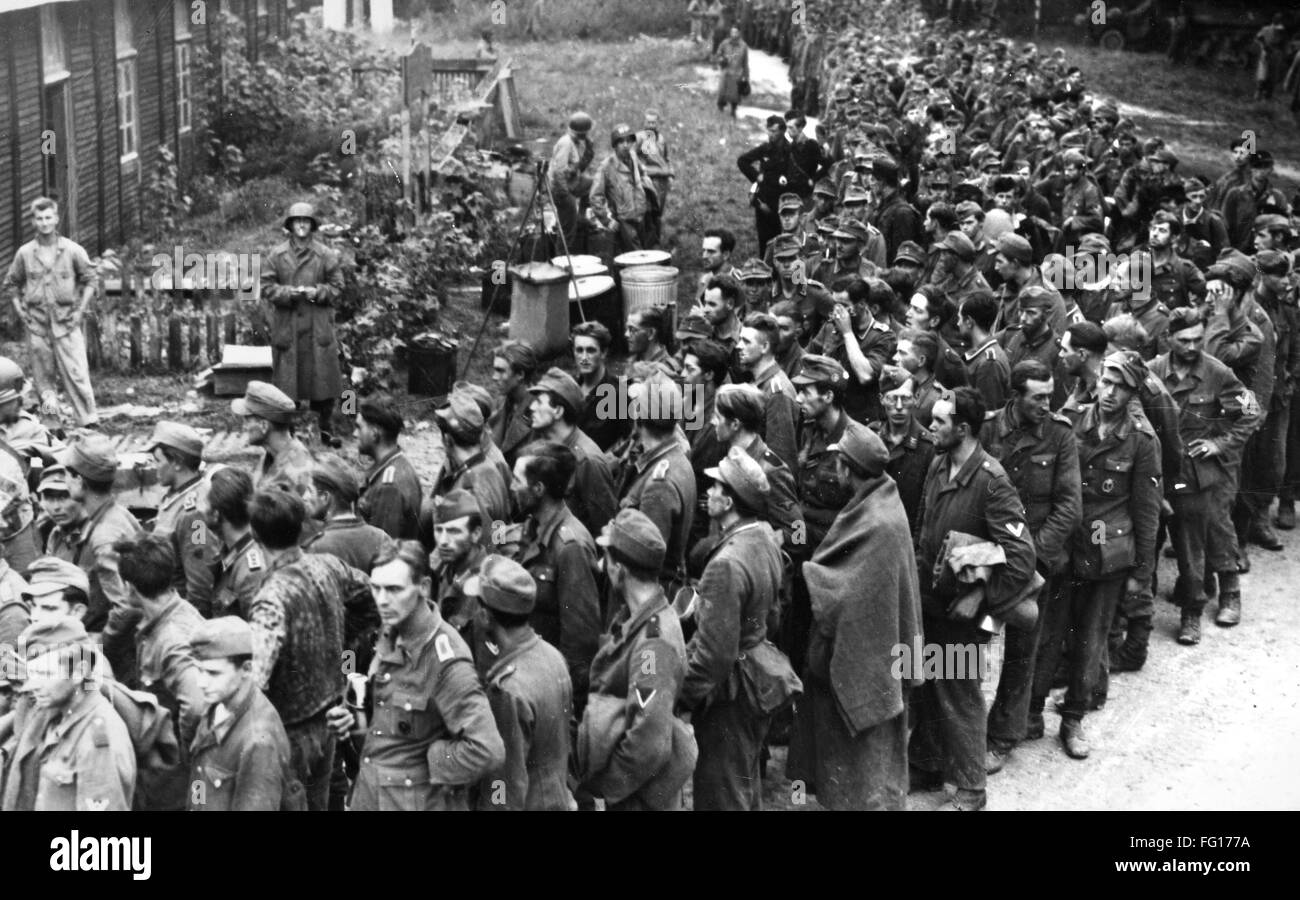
(127,101)
(181,18)
(54,49)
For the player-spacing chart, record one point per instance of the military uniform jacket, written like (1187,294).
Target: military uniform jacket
(180,520)
(488,479)
(781,412)
(290,467)
(989,372)
(591,494)
(236,576)
(15,612)
(1215,406)
(509,423)
(391,496)
(783,511)
(662,485)
(84,762)
(811,298)
(821,491)
(909,461)
(927,394)
(1043,465)
(432,734)
(740,585)
(304,344)
(1248,346)
(351,540)
(243,762)
(167,667)
(1121,499)
(531,697)
(1009,304)
(950,367)
(1176,281)
(1046,347)
(595,418)
(899,222)
(647,695)
(982,502)
(561,556)
(878,343)
(88,545)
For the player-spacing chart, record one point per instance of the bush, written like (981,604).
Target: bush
(601,20)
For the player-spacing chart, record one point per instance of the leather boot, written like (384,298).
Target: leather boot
(1189,630)
(1264,536)
(1072,736)
(1229,600)
(1285,515)
(1034,728)
(1132,654)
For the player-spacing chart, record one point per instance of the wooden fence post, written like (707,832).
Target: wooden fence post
(175,343)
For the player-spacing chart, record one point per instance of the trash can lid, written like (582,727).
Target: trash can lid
(643,258)
(538,273)
(591,286)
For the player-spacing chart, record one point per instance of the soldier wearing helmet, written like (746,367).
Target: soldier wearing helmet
(568,177)
(622,193)
(302,281)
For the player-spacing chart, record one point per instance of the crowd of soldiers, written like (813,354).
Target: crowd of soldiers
(938,405)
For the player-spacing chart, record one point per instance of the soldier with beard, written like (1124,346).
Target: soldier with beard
(330,499)
(268,415)
(458,551)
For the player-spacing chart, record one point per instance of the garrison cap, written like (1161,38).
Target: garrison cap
(969,208)
(1166,156)
(748,399)
(561,385)
(177,436)
(818,369)
(1013,246)
(504,585)
(1128,365)
(222,638)
(959,244)
(1094,242)
(266,401)
(50,574)
(93,457)
(634,537)
(742,473)
(338,476)
(456,505)
(789,201)
(863,446)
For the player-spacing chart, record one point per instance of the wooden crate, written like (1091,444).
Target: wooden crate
(230,381)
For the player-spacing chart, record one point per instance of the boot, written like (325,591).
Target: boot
(995,758)
(1263,535)
(1243,559)
(1132,654)
(1034,728)
(1285,515)
(1189,630)
(1229,600)
(1072,736)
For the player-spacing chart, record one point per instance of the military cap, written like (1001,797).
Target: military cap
(1107,111)
(824,187)
(863,446)
(619,132)
(178,437)
(337,475)
(892,378)
(789,201)
(957,243)
(518,354)
(1014,247)
(754,269)
(660,401)
(743,398)
(693,327)
(969,208)
(634,537)
(827,224)
(1261,160)
(93,457)
(302,210)
(1035,297)
(1073,158)
(50,574)
(991,160)
(851,229)
(1273,262)
(456,504)
(478,394)
(53,478)
(854,195)
(785,245)
(885,169)
(1183,318)
(1166,156)
(1234,267)
(266,401)
(504,585)
(462,410)
(1128,365)
(1272,222)
(818,369)
(49,635)
(11,380)
(222,638)
(1094,242)
(560,384)
(580,123)
(910,252)
(743,474)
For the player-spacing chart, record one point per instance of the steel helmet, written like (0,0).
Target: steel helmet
(620,132)
(302,211)
(580,122)
(11,380)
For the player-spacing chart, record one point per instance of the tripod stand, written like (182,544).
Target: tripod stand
(534,211)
